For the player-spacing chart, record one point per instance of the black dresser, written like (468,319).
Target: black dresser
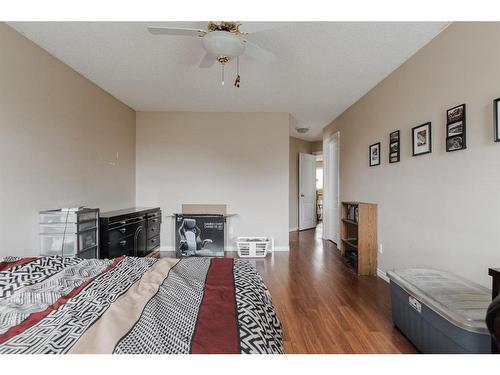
(133,232)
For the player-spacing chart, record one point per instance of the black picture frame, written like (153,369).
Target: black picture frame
(455,114)
(454,143)
(456,129)
(496,120)
(373,146)
(394,147)
(414,130)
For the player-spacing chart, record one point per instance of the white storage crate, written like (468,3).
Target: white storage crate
(58,217)
(52,244)
(58,228)
(69,232)
(254,247)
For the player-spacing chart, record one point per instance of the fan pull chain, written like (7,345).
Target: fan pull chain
(238,79)
(222,74)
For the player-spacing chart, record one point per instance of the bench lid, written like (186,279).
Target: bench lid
(458,300)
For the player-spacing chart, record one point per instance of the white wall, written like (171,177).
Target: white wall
(439,210)
(238,159)
(63,141)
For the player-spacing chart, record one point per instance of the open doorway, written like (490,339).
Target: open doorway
(331,196)
(306,184)
(307,191)
(319,187)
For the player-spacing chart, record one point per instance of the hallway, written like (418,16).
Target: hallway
(324,306)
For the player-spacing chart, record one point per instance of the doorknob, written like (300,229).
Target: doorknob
(302,195)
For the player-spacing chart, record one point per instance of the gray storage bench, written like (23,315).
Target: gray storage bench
(440,312)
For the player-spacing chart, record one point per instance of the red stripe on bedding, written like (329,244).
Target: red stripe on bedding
(216,331)
(34,318)
(5,266)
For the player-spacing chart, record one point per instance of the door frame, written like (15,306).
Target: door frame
(331,175)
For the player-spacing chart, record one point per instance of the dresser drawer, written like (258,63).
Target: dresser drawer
(120,233)
(153,228)
(122,247)
(118,223)
(155,214)
(153,243)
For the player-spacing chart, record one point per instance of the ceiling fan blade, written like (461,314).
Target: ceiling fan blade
(253,27)
(176,31)
(258,53)
(207,61)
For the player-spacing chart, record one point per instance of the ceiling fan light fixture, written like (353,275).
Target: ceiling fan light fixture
(223,44)
(223,41)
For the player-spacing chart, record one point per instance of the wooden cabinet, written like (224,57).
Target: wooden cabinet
(358,233)
(132,232)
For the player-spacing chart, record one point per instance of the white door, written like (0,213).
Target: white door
(307,191)
(331,201)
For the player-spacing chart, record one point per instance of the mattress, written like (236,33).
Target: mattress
(135,306)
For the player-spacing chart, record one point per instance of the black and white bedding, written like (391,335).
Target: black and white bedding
(135,305)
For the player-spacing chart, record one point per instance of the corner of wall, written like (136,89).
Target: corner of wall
(382,275)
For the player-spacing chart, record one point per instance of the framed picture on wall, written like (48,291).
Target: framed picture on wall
(496,118)
(454,143)
(421,139)
(394,151)
(455,128)
(375,154)
(455,114)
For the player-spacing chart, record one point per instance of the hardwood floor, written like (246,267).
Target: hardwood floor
(325,307)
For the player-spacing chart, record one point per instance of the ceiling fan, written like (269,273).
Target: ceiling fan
(223,41)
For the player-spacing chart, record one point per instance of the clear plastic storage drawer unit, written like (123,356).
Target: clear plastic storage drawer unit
(70,232)
(440,312)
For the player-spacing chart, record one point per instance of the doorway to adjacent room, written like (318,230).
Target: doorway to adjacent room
(331,195)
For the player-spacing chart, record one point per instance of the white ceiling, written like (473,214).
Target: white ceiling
(321,69)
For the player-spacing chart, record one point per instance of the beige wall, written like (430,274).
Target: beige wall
(64,141)
(439,210)
(296,147)
(317,147)
(238,159)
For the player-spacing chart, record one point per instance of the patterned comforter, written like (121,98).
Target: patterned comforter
(135,305)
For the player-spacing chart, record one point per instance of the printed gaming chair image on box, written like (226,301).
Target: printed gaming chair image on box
(190,238)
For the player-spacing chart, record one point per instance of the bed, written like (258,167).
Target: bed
(135,306)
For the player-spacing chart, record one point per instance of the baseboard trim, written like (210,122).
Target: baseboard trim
(229,248)
(295,229)
(282,248)
(332,241)
(382,275)
(276,249)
